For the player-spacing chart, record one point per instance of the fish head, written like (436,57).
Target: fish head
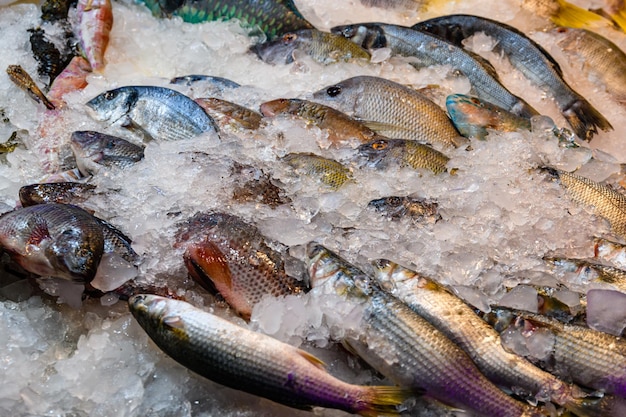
(343,96)
(367,35)
(280,106)
(149,310)
(469,115)
(376,151)
(280,51)
(113,105)
(75,254)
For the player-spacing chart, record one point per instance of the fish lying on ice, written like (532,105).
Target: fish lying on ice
(94,150)
(227,113)
(327,171)
(406,153)
(55,192)
(20,77)
(95,20)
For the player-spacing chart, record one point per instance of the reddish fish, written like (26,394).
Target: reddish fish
(72,78)
(95,20)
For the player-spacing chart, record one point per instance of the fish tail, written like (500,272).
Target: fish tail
(607,406)
(570,15)
(585,119)
(384,400)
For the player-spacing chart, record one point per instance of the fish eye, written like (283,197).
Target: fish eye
(333,91)
(475,101)
(289,37)
(109,95)
(379,146)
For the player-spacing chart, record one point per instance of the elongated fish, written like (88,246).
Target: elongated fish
(391,109)
(530,59)
(403,346)
(20,77)
(227,113)
(417,209)
(225,254)
(55,192)
(253,362)
(603,200)
(323,47)
(57,240)
(327,171)
(409,153)
(95,20)
(219,83)
(94,150)
(273,17)
(162,113)
(432,50)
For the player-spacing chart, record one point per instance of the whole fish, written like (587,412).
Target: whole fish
(598,56)
(603,200)
(72,78)
(224,254)
(227,113)
(323,47)
(340,127)
(327,171)
(407,153)
(162,113)
(94,150)
(432,50)
(454,318)
(391,109)
(530,59)
(404,347)
(563,13)
(254,185)
(20,77)
(398,207)
(57,240)
(253,362)
(272,17)
(95,20)
(220,83)
(50,60)
(55,192)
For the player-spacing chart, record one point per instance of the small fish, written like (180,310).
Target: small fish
(57,240)
(162,113)
(399,207)
(340,127)
(563,13)
(327,171)
(226,113)
(253,362)
(598,56)
(51,61)
(254,185)
(603,200)
(323,47)
(72,78)
(391,109)
(407,153)
(95,20)
(26,83)
(272,17)
(224,254)
(216,85)
(94,150)
(55,192)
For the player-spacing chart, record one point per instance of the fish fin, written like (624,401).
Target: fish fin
(384,400)
(174,321)
(312,358)
(210,267)
(585,119)
(570,15)
(378,126)
(38,230)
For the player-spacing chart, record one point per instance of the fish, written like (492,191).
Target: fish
(403,346)
(254,185)
(323,47)
(563,13)
(50,60)
(603,200)
(95,20)
(253,362)
(219,83)
(115,241)
(10,144)
(57,240)
(597,56)
(589,271)
(94,150)
(72,78)
(417,209)
(340,127)
(327,171)
(406,153)
(55,10)
(391,109)
(55,192)
(457,320)
(20,77)
(160,112)
(426,49)
(530,59)
(271,17)
(227,255)
(616,11)
(227,113)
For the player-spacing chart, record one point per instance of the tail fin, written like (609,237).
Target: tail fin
(384,400)
(585,119)
(573,16)
(606,406)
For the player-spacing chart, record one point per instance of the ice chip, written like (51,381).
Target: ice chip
(113,271)
(521,297)
(540,343)
(606,311)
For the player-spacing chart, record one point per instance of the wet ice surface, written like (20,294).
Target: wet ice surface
(500,215)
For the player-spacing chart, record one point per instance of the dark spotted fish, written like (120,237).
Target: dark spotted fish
(255,186)
(20,77)
(51,61)
(55,192)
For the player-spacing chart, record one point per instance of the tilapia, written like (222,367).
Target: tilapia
(94,150)
(417,209)
(227,113)
(530,59)
(55,192)
(426,49)
(597,56)
(327,171)
(95,20)
(20,77)
(272,17)
(323,47)
(340,127)
(403,346)
(406,153)
(454,318)
(253,362)
(391,109)
(225,254)
(162,113)
(603,200)
(57,240)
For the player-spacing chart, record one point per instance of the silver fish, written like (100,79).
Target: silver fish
(94,150)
